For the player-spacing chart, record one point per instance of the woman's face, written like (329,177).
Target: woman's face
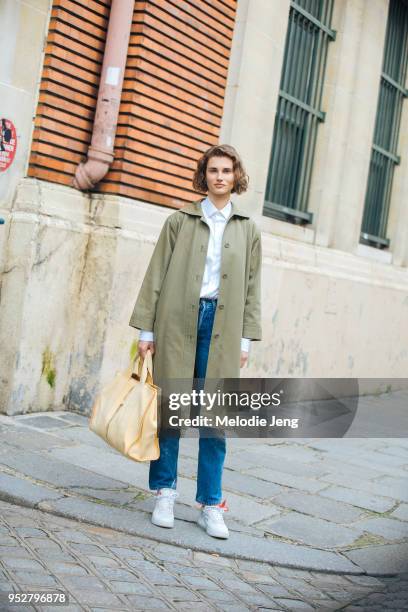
(220,176)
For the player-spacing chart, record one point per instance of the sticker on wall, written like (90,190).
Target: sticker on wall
(112,75)
(8,143)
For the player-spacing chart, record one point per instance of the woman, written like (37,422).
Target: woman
(198,309)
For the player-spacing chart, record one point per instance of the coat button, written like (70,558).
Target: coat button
(192,306)
(226,245)
(217,336)
(225,276)
(221,306)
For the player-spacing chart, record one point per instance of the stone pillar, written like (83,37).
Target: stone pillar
(343,147)
(23,28)
(253,88)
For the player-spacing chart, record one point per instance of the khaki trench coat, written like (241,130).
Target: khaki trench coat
(168,299)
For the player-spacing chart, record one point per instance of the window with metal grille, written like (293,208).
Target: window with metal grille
(384,155)
(299,110)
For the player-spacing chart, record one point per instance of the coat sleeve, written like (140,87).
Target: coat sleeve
(144,311)
(252,328)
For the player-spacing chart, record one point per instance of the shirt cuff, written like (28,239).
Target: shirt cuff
(146,336)
(245,344)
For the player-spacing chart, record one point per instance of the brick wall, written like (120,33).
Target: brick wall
(172,98)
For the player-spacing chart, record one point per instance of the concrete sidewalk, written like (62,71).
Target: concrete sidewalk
(333,505)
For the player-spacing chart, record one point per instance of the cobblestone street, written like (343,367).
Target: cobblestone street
(102,569)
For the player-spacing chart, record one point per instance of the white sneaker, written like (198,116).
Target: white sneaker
(163,513)
(211,519)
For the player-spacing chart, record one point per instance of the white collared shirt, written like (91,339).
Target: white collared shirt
(216,219)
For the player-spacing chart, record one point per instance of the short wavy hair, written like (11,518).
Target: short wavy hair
(241,177)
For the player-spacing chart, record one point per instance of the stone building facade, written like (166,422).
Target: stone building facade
(71,262)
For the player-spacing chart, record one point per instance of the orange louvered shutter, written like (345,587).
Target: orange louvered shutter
(172,98)
(69,88)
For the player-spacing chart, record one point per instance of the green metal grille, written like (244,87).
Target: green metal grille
(384,155)
(299,110)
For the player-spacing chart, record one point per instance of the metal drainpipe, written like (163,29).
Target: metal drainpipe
(100,152)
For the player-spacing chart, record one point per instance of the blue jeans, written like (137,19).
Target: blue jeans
(211,453)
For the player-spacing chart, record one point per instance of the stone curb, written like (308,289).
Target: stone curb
(185,534)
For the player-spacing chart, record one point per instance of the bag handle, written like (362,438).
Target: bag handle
(144,369)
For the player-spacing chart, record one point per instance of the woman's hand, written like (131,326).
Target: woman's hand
(244,358)
(144,346)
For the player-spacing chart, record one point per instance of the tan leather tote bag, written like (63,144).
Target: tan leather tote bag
(125,412)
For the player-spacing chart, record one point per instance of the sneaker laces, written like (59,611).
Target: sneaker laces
(166,498)
(217,511)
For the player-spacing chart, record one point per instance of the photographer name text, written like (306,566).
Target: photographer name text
(231,421)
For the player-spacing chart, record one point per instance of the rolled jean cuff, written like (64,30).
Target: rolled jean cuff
(208,503)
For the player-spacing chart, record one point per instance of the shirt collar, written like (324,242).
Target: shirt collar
(195,209)
(209,209)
